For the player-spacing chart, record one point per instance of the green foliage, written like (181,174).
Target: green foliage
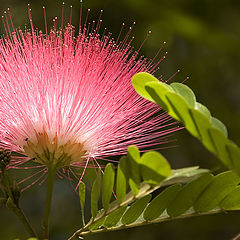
(137,209)
(191,191)
(203,193)
(180,103)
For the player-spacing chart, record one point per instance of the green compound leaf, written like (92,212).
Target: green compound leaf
(135,210)
(192,192)
(122,177)
(156,207)
(107,185)
(216,191)
(188,195)
(180,103)
(154,167)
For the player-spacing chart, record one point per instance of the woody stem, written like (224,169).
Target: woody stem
(12,205)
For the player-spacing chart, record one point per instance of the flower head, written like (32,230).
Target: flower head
(67,97)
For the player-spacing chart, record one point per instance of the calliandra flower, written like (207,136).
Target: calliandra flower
(66,98)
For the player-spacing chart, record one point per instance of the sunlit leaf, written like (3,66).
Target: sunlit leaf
(185,92)
(219,125)
(154,88)
(139,80)
(203,109)
(154,167)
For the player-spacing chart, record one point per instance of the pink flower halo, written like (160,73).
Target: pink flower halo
(66,99)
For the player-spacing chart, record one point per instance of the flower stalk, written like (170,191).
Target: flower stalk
(48,203)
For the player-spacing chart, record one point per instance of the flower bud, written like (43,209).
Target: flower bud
(5,158)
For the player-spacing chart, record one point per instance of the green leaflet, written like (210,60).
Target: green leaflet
(188,195)
(134,177)
(156,207)
(220,141)
(232,200)
(220,126)
(201,124)
(219,188)
(203,109)
(234,155)
(107,185)
(181,109)
(122,176)
(140,85)
(97,224)
(95,196)
(158,93)
(81,191)
(154,167)
(180,103)
(185,92)
(135,210)
(154,89)
(113,218)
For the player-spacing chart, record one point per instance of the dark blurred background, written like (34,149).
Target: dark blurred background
(203,41)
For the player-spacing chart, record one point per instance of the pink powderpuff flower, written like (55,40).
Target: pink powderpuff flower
(67,98)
